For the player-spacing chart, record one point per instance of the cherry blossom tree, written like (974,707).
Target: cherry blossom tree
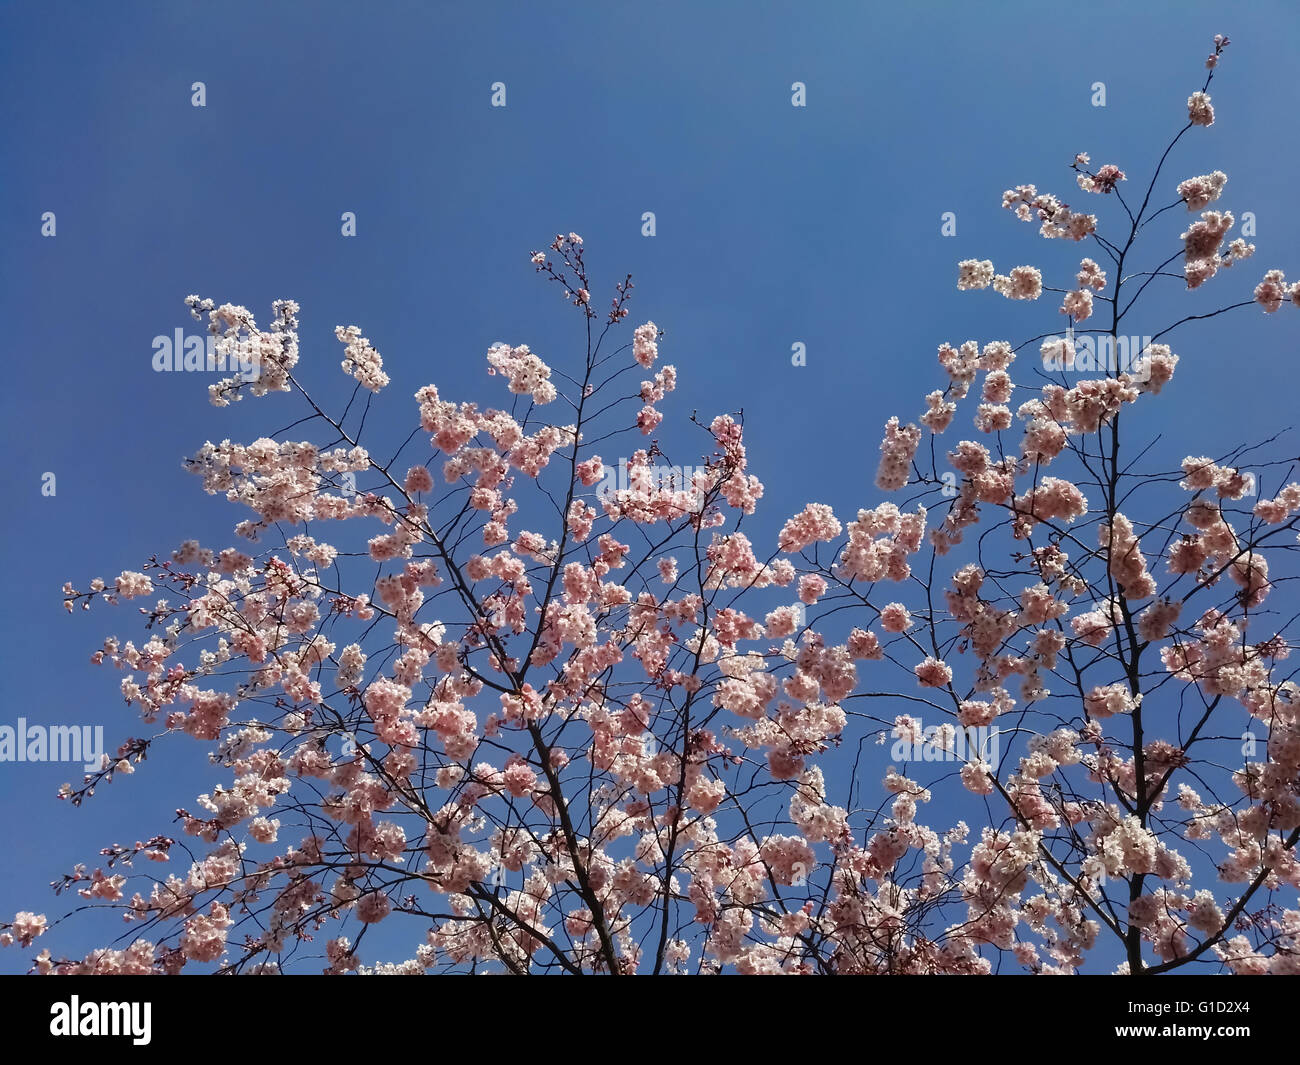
(527,695)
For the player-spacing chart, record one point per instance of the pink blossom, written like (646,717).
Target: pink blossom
(894,617)
(1272,291)
(896,451)
(27,926)
(811,588)
(1199,110)
(933,673)
(645,348)
(1203,190)
(975,273)
(360,359)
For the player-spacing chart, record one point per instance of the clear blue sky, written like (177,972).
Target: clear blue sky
(776,225)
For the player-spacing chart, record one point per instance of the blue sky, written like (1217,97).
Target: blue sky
(775,225)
